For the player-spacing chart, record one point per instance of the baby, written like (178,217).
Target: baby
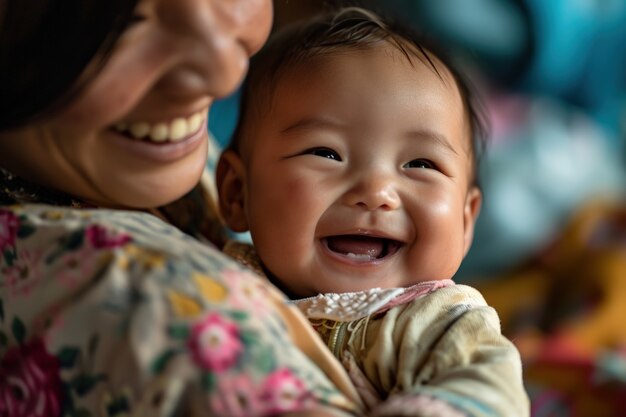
(354,169)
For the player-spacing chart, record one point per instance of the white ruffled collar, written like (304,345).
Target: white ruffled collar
(350,306)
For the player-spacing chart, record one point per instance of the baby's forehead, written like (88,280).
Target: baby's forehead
(309,64)
(294,78)
(397,50)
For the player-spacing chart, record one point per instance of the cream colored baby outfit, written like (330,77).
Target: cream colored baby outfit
(433,349)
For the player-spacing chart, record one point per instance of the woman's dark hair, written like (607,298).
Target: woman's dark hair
(46,47)
(338,30)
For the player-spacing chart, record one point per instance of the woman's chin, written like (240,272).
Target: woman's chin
(136,197)
(153,189)
(152,200)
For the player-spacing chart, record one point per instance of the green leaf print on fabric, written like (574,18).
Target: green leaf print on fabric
(84,383)
(73,241)
(119,406)
(67,243)
(25,229)
(266,360)
(179,331)
(10,255)
(67,357)
(160,363)
(77,362)
(249,338)
(209,381)
(238,315)
(19,330)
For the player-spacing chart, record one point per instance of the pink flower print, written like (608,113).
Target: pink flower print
(30,385)
(283,391)
(25,273)
(247,292)
(101,237)
(215,343)
(235,397)
(76,266)
(9,225)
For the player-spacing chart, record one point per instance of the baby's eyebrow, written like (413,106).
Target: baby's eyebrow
(313,123)
(432,136)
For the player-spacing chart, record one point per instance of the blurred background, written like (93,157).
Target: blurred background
(550,247)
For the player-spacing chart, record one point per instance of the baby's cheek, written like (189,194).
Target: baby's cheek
(299,190)
(441,205)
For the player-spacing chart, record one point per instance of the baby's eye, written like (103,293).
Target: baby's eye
(419,163)
(324,153)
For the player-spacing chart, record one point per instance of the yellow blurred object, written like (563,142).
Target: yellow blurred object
(566,311)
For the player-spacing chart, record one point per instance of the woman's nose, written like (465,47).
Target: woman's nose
(217,38)
(374,192)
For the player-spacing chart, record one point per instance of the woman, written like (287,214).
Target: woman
(105,308)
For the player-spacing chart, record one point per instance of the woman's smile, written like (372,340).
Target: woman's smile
(175,130)
(162,141)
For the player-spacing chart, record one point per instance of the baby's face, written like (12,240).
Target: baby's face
(359,175)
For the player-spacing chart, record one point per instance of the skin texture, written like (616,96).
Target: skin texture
(356,143)
(177,58)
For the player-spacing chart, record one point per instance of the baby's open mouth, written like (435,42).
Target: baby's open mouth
(361,248)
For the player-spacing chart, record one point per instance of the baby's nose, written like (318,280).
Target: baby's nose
(374,193)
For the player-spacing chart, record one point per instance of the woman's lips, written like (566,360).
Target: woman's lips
(174,130)
(164,151)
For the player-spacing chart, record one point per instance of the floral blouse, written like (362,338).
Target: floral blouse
(118,313)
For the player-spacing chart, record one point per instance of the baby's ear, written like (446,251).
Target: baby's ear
(231,188)
(473,202)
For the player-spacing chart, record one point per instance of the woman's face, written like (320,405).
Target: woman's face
(136,135)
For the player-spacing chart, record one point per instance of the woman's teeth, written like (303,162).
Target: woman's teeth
(172,131)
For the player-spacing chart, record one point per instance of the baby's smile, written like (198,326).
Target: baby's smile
(361,249)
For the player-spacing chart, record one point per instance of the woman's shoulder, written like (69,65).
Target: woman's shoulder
(195,213)
(110,299)
(44,248)
(27,219)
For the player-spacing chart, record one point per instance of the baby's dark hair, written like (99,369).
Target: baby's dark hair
(348,28)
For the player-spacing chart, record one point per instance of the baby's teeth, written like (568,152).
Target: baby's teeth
(194,122)
(139,130)
(178,129)
(359,257)
(159,132)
